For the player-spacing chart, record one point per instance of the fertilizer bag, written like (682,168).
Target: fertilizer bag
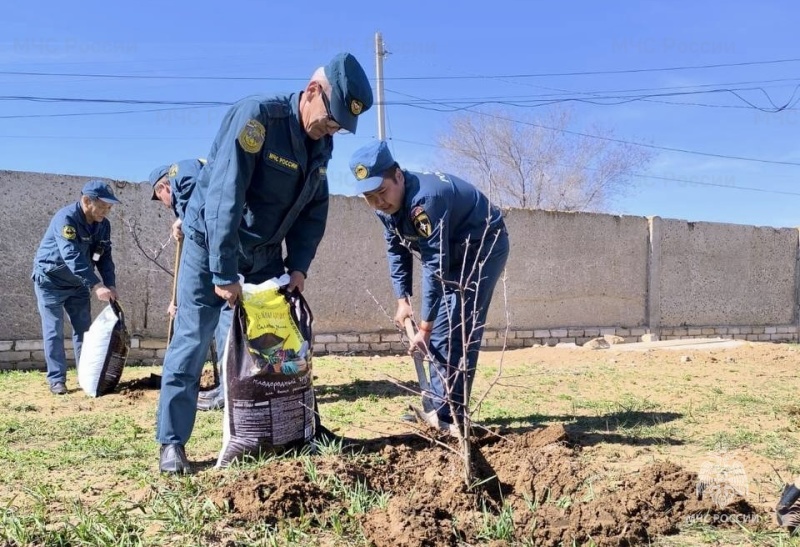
(269,397)
(104,352)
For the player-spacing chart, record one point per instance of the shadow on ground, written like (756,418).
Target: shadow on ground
(364,388)
(637,428)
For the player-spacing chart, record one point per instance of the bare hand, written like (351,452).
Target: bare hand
(230,293)
(172,309)
(419,344)
(104,293)
(296,280)
(403,310)
(177,232)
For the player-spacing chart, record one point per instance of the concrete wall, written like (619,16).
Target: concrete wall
(724,274)
(570,276)
(575,269)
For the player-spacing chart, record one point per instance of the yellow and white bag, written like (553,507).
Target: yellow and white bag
(269,397)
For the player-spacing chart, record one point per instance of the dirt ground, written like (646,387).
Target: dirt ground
(541,465)
(555,482)
(569,472)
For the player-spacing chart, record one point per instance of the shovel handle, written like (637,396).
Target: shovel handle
(409,325)
(173,301)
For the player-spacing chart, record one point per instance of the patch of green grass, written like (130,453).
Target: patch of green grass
(62,455)
(731,440)
(497,527)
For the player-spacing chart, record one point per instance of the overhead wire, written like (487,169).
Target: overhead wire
(398,78)
(609,139)
(637,175)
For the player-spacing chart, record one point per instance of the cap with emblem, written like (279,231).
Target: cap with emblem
(351,94)
(98,189)
(155,176)
(368,164)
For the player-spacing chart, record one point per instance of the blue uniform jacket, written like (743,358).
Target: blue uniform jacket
(182,178)
(265,182)
(72,247)
(441,217)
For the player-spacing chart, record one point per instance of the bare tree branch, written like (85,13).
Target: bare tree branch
(521,165)
(153,254)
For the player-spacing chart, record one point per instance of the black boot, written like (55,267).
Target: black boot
(789,496)
(173,459)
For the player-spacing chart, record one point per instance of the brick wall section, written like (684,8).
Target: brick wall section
(28,354)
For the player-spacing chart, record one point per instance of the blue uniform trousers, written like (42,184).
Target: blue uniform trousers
(454,321)
(200,310)
(52,300)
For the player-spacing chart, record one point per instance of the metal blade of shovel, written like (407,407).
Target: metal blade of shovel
(419,365)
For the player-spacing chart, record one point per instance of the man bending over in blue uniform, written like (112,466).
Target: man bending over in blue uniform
(265,184)
(452,226)
(173,186)
(77,241)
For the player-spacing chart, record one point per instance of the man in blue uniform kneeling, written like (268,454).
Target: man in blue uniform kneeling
(453,227)
(77,241)
(265,184)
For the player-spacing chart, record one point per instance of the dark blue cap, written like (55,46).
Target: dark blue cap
(368,164)
(157,173)
(155,176)
(98,189)
(351,94)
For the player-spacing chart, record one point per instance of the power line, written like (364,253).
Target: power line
(637,175)
(147,76)
(606,100)
(454,105)
(564,94)
(38,99)
(399,78)
(108,113)
(105,138)
(601,72)
(206,104)
(611,139)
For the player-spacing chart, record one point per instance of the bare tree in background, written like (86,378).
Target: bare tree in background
(525,165)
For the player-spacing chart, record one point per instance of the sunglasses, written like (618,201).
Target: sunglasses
(328,112)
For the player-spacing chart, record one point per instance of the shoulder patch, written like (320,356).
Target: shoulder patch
(173,170)
(251,137)
(356,107)
(68,232)
(421,222)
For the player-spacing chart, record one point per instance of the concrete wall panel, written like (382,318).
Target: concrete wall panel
(575,269)
(726,274)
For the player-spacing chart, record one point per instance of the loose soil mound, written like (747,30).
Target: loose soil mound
(538,479)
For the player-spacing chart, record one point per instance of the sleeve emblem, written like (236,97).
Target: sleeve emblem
(421,222)
(68,232)
(251,137)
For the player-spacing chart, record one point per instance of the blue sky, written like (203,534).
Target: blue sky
(286,41)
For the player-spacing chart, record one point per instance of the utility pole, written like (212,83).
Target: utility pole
(380,53)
